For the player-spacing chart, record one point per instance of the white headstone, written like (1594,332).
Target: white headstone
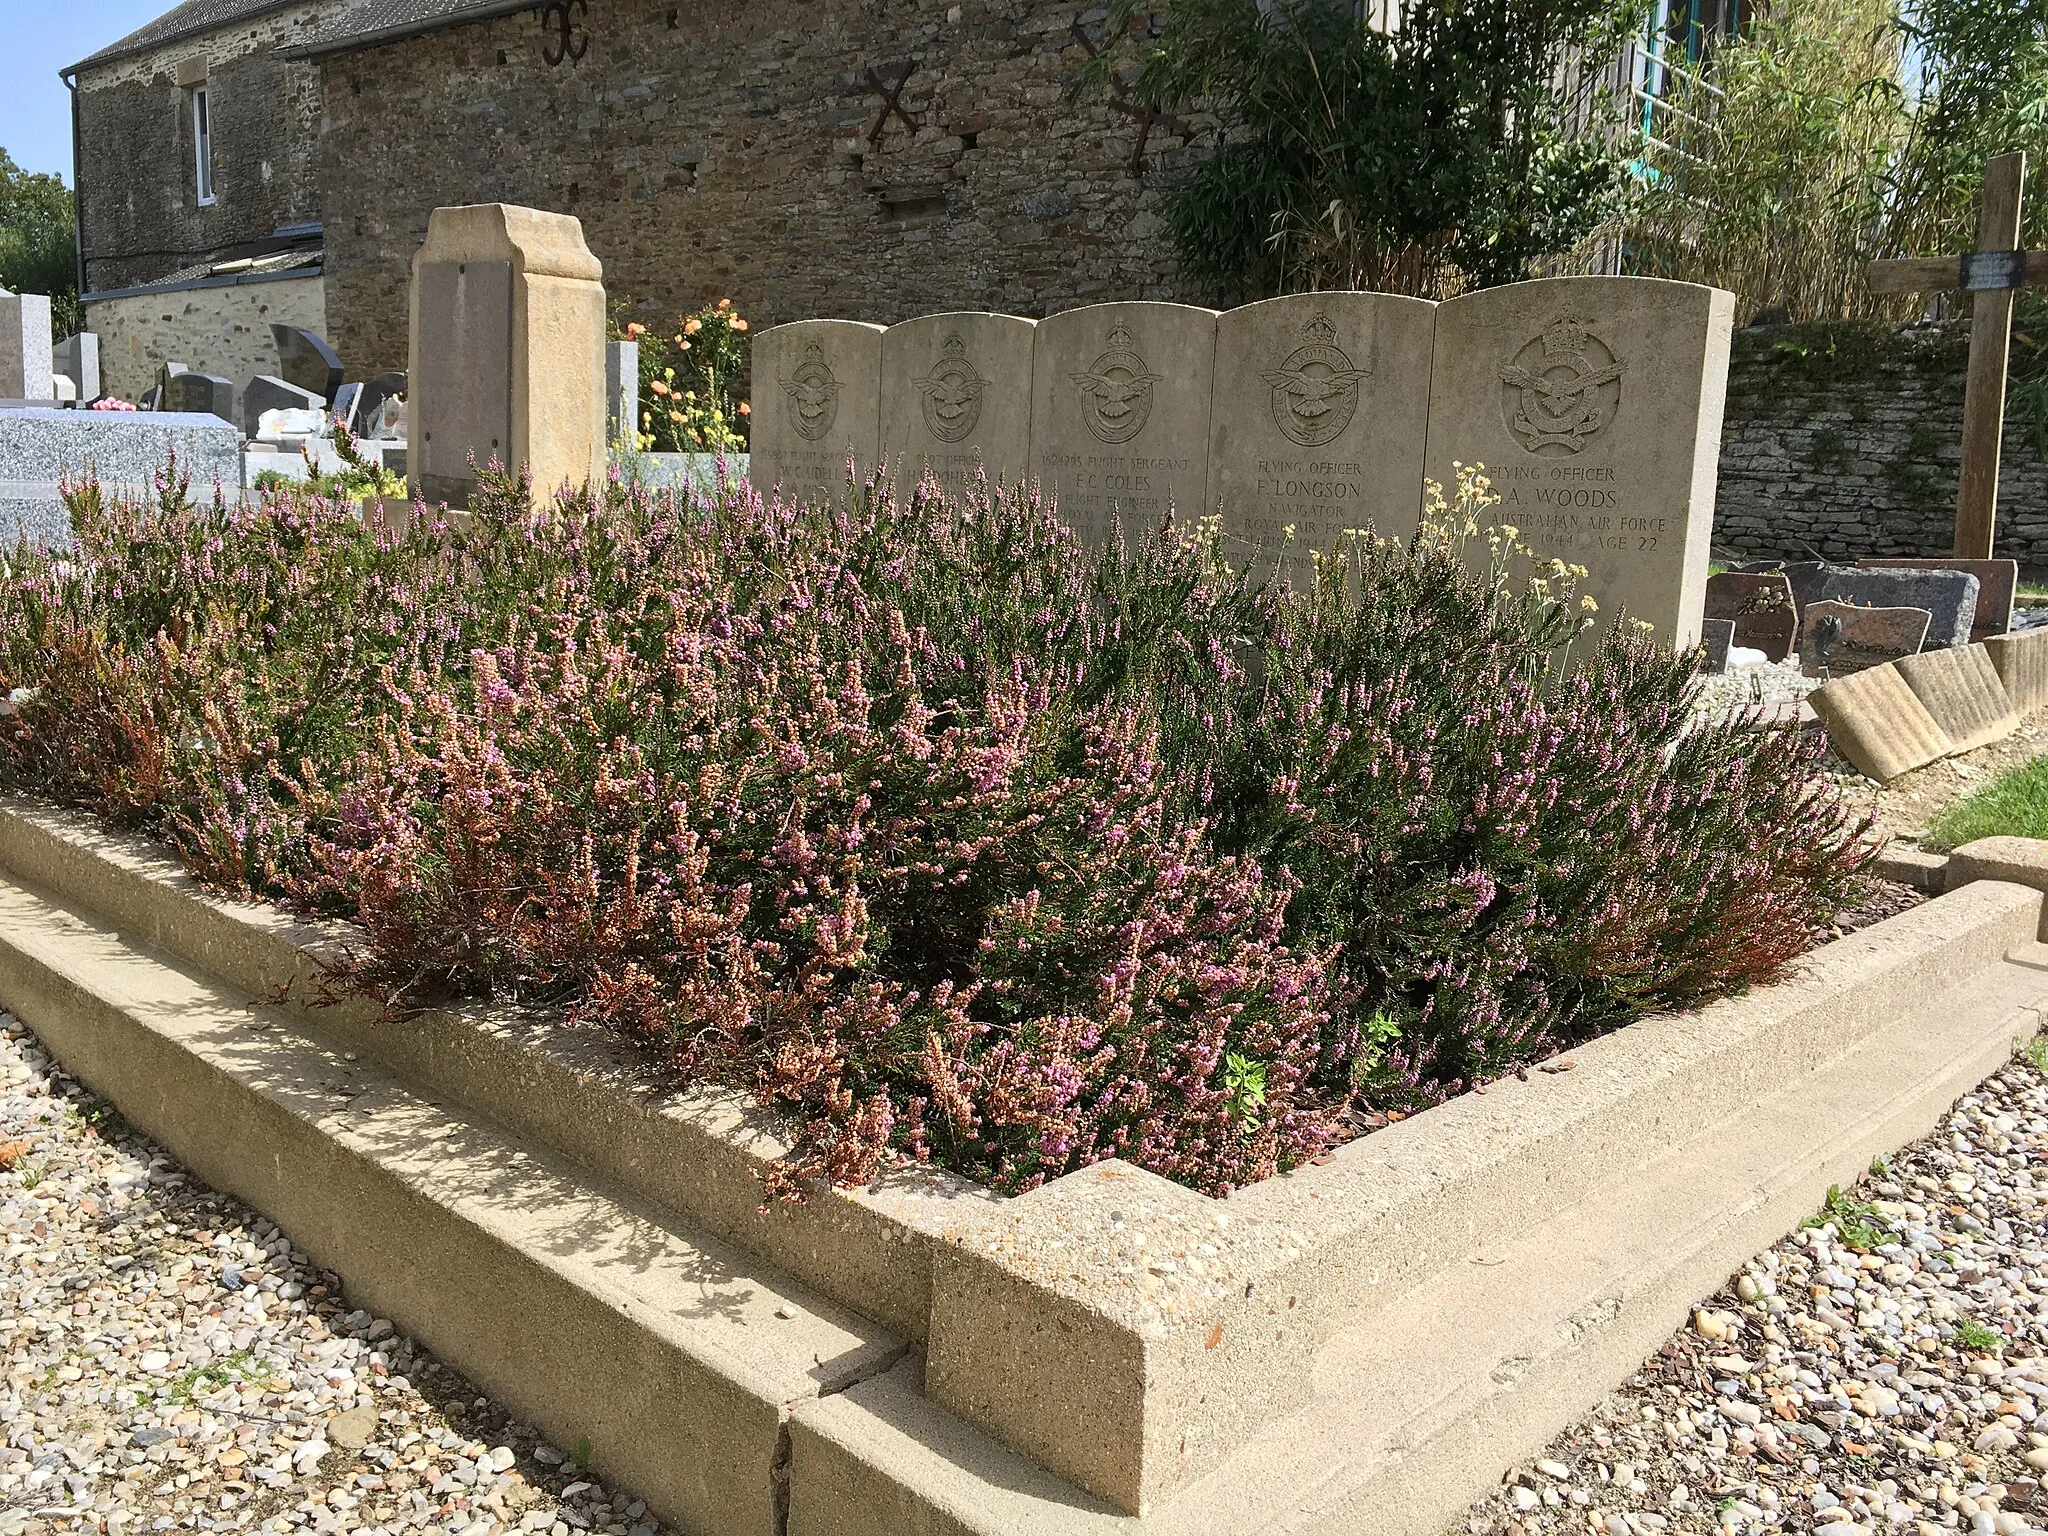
(817,404)
(622,391)
(1595,405)
(956,394)
(25,353)
(1120,415)
(1322,407)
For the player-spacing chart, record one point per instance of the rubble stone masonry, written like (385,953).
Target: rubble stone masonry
(749,151)
(1846,440)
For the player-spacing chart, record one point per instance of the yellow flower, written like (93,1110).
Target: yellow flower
(1589,605)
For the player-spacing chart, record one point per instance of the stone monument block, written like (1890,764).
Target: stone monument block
(1836,639)
(1321,411)
(78,359)
(197,394)
(1595,405)
(956,394)
(1997,582)
(1760,605)
(1717,636)
(507,359)
(1120,415)
(622,392)
(305,359)
(25,352)
(1874,720)
(265,393)
(126,450)
(1960,687)
(817,403)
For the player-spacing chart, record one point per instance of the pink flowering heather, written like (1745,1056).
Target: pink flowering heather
(932,832)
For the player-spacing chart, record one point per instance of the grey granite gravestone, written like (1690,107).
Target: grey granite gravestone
(307,360)
(1997,581)
(1950,597)
(622,392)
(78,359)
(39,448)
(198,393)
(265,393)
(25,366)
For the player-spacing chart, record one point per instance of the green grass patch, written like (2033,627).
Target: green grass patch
(2015,804)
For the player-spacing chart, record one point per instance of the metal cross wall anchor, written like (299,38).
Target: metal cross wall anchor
(1991,274)
(1120,101)
(892,100)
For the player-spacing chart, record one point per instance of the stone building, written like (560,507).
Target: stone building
(870,159)
(865,158)
(198,152)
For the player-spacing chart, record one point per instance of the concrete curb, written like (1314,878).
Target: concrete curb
(1109,1345)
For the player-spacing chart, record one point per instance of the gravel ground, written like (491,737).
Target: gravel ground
(173,1363)
(1881,1370)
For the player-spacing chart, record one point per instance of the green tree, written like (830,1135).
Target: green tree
(38,244)
(1413,146)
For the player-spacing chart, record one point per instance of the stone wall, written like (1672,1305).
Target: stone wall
(139,200)
(1846,440)
(714,150)
(222,330)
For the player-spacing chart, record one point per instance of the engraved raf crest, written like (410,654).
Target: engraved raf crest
(952,393)
(814,391)
(1315,391)
(1116,392)
(1561,390)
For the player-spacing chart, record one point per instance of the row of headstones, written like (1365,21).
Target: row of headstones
(1844,619)
(1594,403)
(311,383)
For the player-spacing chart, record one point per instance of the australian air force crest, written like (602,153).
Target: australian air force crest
(1561,390)
(952,393)
(1315,391)
(813,392)
(1116,392)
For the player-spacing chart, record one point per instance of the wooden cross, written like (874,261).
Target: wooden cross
(1992,273)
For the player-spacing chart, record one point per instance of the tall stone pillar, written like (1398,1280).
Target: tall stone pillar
(507,356)
(24,346)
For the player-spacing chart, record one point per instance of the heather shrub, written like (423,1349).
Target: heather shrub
(934,833)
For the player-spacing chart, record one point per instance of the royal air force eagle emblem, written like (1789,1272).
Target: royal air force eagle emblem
(1562,389)
(813,391)
(1315,390)
(951,393)
(1116,392)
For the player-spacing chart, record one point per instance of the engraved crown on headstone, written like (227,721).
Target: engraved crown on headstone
(1315,388)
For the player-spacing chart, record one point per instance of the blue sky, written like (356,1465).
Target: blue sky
(42,36)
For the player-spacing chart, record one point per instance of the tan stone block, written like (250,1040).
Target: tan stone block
(2015,860)
(1959,687)
(1120,415)
(817,403)
(507,362)
(2021,661)
(1321,411)
(1874,720)
(956,397)
(1595,404)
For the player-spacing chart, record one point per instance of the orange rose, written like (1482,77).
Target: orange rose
(635,331)
(739,325)
(746,409)
(725,303)
(692,327)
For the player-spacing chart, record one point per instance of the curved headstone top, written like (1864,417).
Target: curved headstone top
(307,362)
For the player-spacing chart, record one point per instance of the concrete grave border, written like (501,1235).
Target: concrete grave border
(1069,1376)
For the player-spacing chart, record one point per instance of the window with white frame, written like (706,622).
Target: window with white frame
(202,144)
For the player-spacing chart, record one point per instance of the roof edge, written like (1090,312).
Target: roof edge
(486,10)
(114,53)
(232,280)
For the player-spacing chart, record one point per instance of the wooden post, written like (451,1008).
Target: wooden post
(1998,229)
